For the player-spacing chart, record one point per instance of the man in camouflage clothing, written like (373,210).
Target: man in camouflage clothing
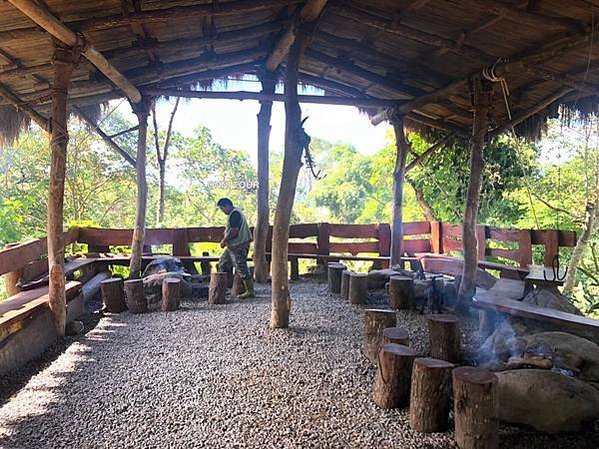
(236,242)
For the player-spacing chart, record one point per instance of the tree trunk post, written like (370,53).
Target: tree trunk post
(358,288)
(334,271)
(430,399)
(134,292)
(402,150)
(141,110)
(171,294)
(113,295)
(375,321)
(217,290)
(295,139)
(475,408)
(401,292)
(262,268)
(396,335)
(64,61)
(393,377)
(483,92)
(445,338)
(345,276)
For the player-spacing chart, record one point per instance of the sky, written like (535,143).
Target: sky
(234,125)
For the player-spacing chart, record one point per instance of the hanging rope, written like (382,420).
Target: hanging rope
(490,75)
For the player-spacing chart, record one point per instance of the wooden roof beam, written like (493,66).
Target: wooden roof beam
(309,13)
(52,25)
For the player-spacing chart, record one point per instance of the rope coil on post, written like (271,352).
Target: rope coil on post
(490,75)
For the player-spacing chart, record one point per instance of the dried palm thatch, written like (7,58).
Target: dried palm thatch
(12,123)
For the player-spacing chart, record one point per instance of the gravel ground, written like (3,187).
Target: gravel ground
(218,377)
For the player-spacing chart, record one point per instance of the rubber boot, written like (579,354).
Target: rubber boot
(249,289)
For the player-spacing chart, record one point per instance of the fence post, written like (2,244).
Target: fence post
(437,237)
(481,238)
(384,238)
(525,248)
(12,278)
(181,248)
(551,241)
(323,240)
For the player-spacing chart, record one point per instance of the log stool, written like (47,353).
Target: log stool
(345,284)
(396,335)
(238,287)
(113,295)
(475,408)
(334,275)
(134,292)
(393,378)
(171,294)
(358,288)
(401,292)
(218,287)
(444,336)
(375,321)
(430,399)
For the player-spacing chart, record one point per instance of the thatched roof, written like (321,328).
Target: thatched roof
(401,50)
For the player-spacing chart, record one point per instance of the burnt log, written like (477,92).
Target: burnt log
(334,276)
(393,378)
(430,395)
(134,292)
(358,288)
(475,408)
(396,335)
(401,292)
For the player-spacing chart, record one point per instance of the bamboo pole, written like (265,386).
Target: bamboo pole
(41,16)
(483,92)
(64,61)
(141,110)
(261,265)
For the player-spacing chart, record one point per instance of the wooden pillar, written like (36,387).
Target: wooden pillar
(294,145)
(262,269)
(171,294)
(345,276)
(445,338)
(430,399)
(375,321)
(482,94)
(358,288)
(401,293)
(64,62)
(134,292)
(475,408)
(217,289)
(335,269)
(113,295)
(141,110)
(396,335)
(402,150)
(393,378)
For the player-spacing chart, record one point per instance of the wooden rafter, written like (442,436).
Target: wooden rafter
(56,28)
(309,13)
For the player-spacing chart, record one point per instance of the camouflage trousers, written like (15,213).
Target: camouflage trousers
(235,257)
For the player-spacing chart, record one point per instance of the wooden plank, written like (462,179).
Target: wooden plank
(450,230)
(356,231)
(481,241)
(181,243)
(504,235)
(505,253)
(302,231)
(206,234)
(524,310)
(354,247)
(417,228)
(16,257)
(565,238)
(551,243)
(525,248)
(22,305)
(509,288)
(417,246)
(452,245)
(105,237)
(384,236)
(308,248)
(70,268)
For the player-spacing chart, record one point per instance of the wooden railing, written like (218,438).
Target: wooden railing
(320,239)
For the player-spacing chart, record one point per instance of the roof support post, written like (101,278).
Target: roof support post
(64,61)
(261,265)
(295,140)
(402,149)
(482,96)
(142,111)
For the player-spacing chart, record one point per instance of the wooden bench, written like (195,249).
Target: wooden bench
(524,310)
